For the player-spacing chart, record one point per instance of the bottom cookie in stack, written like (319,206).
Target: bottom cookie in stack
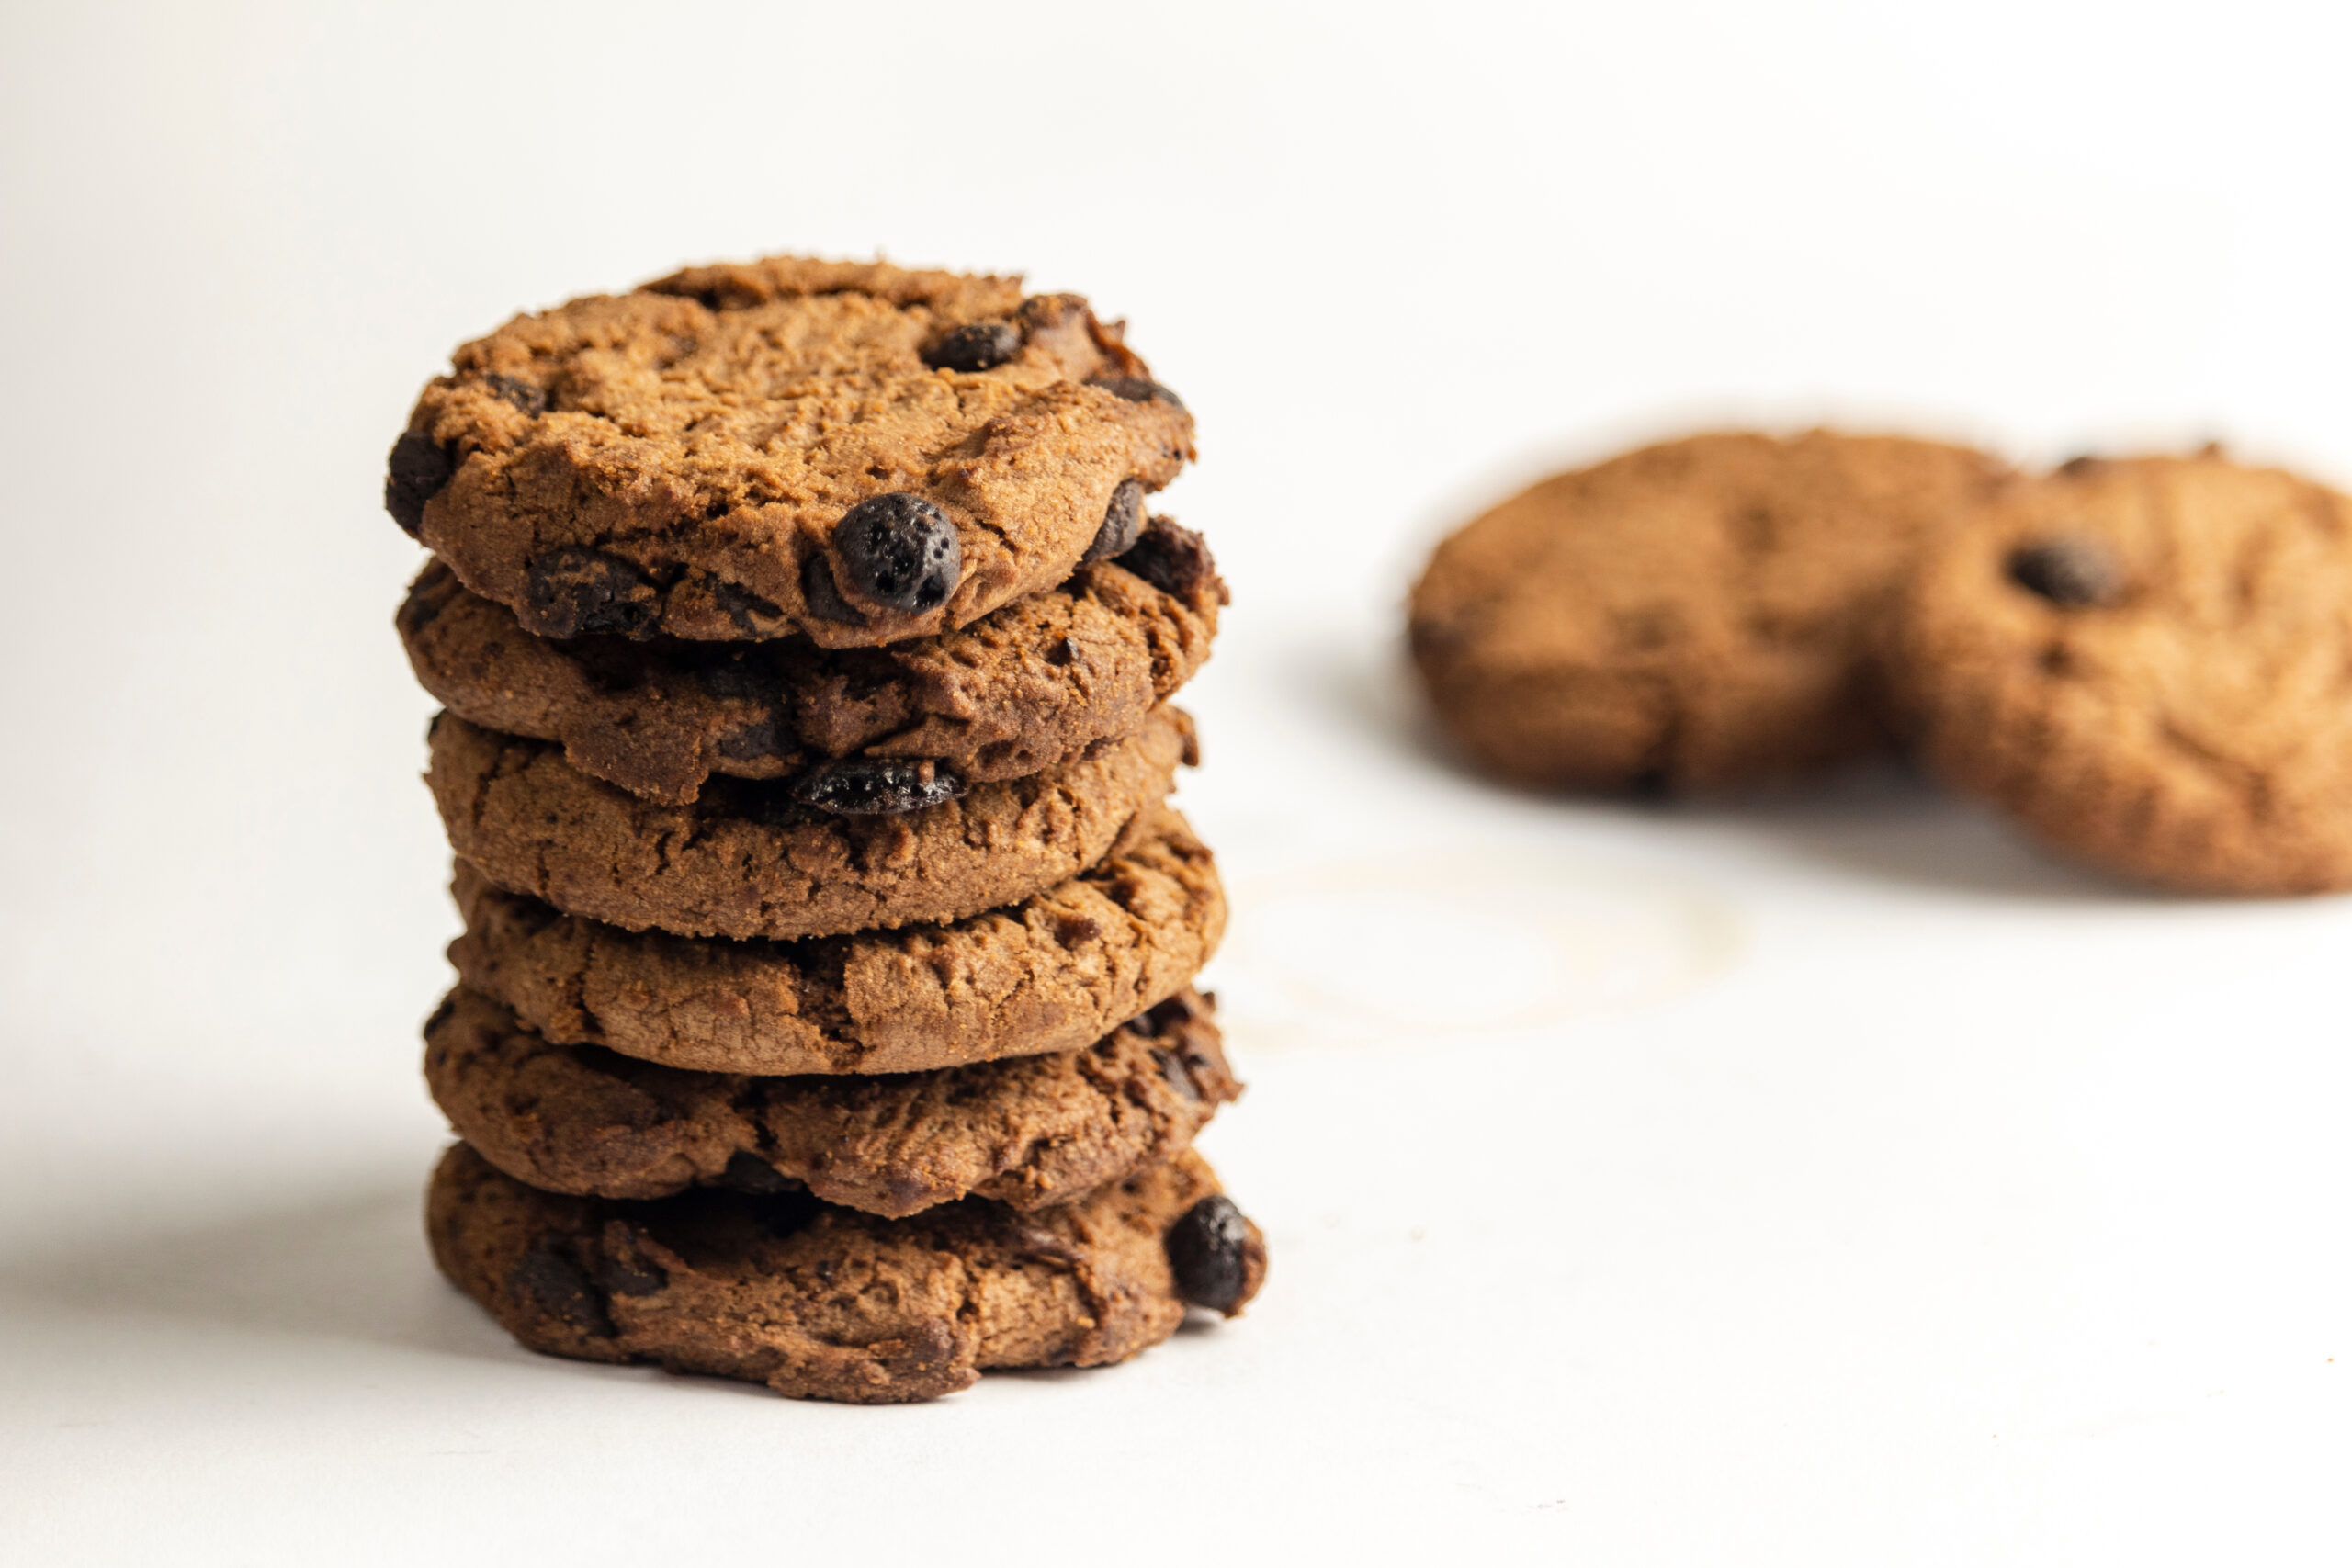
(871,1239)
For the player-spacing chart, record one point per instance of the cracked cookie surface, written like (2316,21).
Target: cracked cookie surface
(1691,615)
(826,1302)
(1051,972)
(1030,1132)
(680,461)
(1022,689)
(2148,663)
(747,859)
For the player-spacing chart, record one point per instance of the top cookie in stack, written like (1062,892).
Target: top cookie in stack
(806,646)
(857,453)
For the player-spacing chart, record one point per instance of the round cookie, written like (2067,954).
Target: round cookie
(1051,972)
(1022,689)
(856,452)
(2144,661)
(1691,615)
(1030,1132)
(824,1303)
(749,860)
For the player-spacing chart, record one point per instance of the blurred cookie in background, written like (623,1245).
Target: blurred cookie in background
(1687,617)
(2148,662)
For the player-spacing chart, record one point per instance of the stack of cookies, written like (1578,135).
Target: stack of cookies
(824,1012)
(2144,661)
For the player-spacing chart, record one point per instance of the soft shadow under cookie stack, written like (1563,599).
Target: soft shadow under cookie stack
(824,1012)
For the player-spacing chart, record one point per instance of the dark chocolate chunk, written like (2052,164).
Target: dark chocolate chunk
(736,673)
(427,598)
(1139,390)
(419,468)
(1122,523)
(974,345)
(1208,1250)
(624,1270)
(1177,1071)
(760,737)
(570,591)
(925,1347)
(1169,1013)
(878,786)
(743,607)
(824,597)
(2074,572)
(554,1285)
(898,550)
(1174,560)
(747,1172)
(522,394)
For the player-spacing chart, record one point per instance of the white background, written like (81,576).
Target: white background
(1825,1180)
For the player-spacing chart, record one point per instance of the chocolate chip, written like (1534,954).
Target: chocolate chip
(747,1172)
(522,394)
(1122,523)
(419,470)
(1172,1012)
(751,742)
(924,1349)
(431,594)
(624,1270)
(570,591)
(1174,560)
(739,674)
(1179,1075)
(746,609)
(974,345)
(553,1285)
(2074,572)
(898,550)
(1139,390)
(878,786)
(1209,1249)
(441,1014)
(825,600)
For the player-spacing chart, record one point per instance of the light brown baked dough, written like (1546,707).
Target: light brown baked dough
(1689,617)
(2148,662)
(747,860)
(1051,972)
(1024,688)
(824,1303)
(1028,1130)
(677,460)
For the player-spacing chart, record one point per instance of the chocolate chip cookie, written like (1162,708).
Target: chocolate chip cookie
(1691,615)
(762,860)
(1022,689)
(1050,972)
(825,1302)
(856,452)
(1030,1132)
(2148,662)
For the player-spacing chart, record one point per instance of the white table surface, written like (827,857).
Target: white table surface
(1825,1179)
